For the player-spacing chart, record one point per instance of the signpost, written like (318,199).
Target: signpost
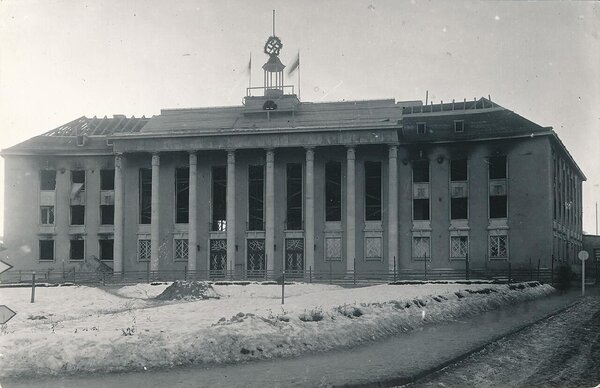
(583,256)
(5,314)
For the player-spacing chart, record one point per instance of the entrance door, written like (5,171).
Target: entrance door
(218,256)
(255,262)
(294,255)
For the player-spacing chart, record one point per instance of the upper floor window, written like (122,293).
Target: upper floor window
(497,167)
(47,215)
(78,180)
(219,198)
(107,179)
(373,191)
(458,170)
(421,128)
(145,187)
(459,126)
(421,171)
(294,196)
(182,195)
(256,179)
(48,180)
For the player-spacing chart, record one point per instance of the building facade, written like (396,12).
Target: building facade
(279,184)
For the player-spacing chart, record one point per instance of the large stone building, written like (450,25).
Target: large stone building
(278,183)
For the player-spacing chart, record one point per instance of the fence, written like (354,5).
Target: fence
(356,277)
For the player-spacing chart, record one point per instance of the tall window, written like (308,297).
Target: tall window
(77,250)
(256,179)
(48,180)
(145,195)
(78,180)
(333,191)
(497,196)
(77,215)
(47,215)
(421,190)
(459,201)
(107,179)
(294,196)
(182,195)
(107,214)
(46,250)
(373,191)
(219,198)
(106,249)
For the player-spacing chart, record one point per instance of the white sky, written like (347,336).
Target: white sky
(60,60)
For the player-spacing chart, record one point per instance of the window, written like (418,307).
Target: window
(48,180)
(459,126)
(106,249)
(219,198)
(373,191)
(459,208)
(458,170)
(46,250)
(107,214)
(498,206)
(181,249)
(78,180)
(333,191)
(47,215)
(145,188)
(294,196)
(77,250)
(144,249)
(421,209)
(333,248)
(497,167)
(77,215)
(182,195)
(498,247)
(421,171)
(256,179)
(107,179)
(421,248)
(459,247)
(421,128)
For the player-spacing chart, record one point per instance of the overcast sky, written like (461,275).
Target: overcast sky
(60,60)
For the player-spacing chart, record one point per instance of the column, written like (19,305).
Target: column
(119,219)
(270,211)
(392,206)
(309,232)
(154,230)
(350,211)
(230,225)
(193,213)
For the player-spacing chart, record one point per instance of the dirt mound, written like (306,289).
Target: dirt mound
(192,290)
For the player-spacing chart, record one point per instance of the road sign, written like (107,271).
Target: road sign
(5,314)
(583,255)
(4,266)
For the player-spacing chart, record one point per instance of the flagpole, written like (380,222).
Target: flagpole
(298,74)
(250,71)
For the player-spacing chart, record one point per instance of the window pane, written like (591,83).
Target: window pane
(107,179)
(48,180)
(373,191)
(498,208)
(145,195)
(182,195)
(107,214)
(106,249)
(76,251)
(333,191)
(294,196)
(421,248)
(458,170)
(46,250)
(77,215)
(144,250)
(498,167)
(181,249)
(459,246)
(47,215)
(421,171)
(458,208)
(421,209)
(255,197)
(219,198)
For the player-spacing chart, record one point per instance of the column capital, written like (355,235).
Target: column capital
(231,156)
(393,150)
(155,159)
(310,153)
(270,155)
(193,157)
(350,152)
(119,160)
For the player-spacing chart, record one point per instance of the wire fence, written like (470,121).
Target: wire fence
(349,278)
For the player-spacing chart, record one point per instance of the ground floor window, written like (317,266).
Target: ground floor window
(499,247)
(181,249)
(218,255)
(106,249)
(333,248)
(421,248)
(46,250)
(256,255)
(459,247)
(144,249)
(77,250)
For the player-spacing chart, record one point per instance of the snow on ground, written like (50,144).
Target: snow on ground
(85,329)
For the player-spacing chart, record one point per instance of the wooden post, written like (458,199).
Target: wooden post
(310,274)
(394,268)
(530,270)
(509,273)
(148,272)
(538,270)
(425,261)
(33,287)
(283,288)
(467,266)
(552,269)
(330,273)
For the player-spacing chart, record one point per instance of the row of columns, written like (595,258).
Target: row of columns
(309,234)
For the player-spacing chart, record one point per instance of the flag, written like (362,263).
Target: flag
(294,66)
(249,69)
